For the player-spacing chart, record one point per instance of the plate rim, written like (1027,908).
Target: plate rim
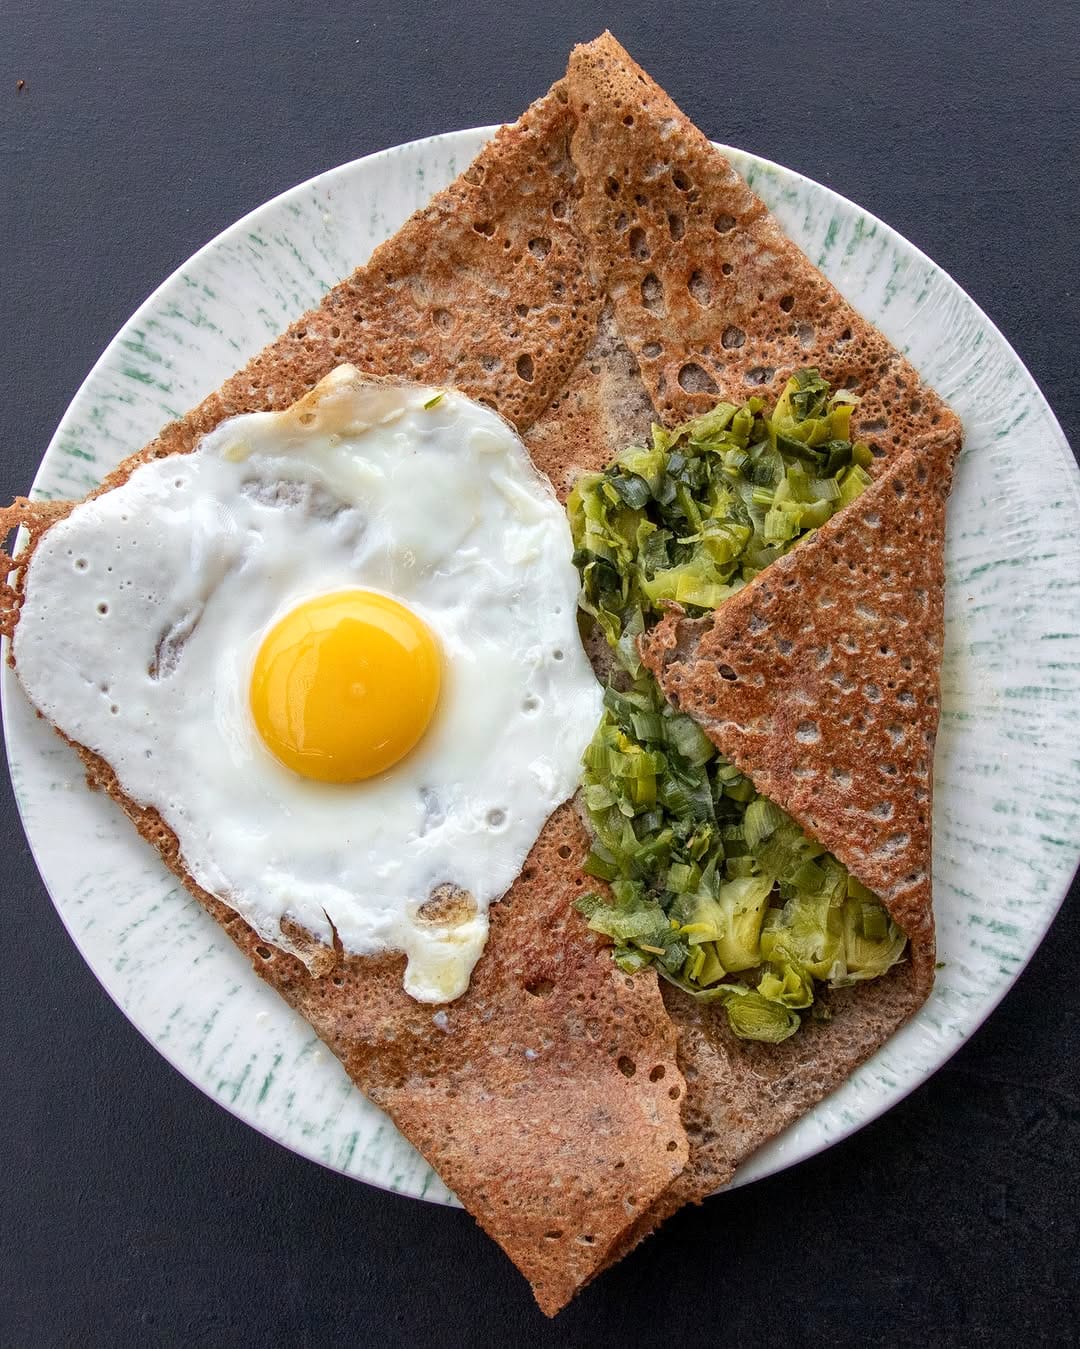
(474,137)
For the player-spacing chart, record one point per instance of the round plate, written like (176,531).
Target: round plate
(1007,806)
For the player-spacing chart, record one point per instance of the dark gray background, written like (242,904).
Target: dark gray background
(135,1211)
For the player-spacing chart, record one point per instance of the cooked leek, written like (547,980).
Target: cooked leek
(710,880)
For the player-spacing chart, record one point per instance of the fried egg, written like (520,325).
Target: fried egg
(335,647)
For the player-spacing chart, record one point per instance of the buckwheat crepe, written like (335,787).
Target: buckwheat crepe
(597,266)
(715,302)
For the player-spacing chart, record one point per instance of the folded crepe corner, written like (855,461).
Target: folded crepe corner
(710,295)
(820,680)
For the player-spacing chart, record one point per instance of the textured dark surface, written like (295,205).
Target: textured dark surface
(135,1211)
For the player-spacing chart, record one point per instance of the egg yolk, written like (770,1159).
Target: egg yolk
(345,685)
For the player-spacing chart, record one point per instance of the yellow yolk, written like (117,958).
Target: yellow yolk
(345,685)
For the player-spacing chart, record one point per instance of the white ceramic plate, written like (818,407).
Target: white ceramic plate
(1007,808)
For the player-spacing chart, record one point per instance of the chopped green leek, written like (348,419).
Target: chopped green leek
(753,1016)
(872,941)
(744,902)
(708,505)
(788,984)
(709,879)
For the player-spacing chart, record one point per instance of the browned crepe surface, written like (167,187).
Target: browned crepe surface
(739,1093)
(485,288)
(715,301)
(498,287)
(550,1101)
(602,409)
(710,295)
(821,680)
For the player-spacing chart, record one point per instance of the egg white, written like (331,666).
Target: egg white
(146,606)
